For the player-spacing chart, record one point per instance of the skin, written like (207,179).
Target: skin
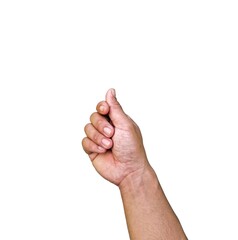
(114,144)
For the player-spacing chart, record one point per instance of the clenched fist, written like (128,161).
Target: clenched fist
(113,142)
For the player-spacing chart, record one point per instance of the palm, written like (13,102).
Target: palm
(122,159)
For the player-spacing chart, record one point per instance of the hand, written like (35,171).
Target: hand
(113,141)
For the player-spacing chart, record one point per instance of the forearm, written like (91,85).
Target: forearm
(148,213)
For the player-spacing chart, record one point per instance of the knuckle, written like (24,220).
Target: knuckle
(130,125)
(100,107)
(100,124)
(95,137)
(93,115)
(84,143)
(86,128)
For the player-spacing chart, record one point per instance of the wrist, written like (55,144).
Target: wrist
(139,180)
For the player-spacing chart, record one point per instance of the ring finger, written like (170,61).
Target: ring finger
(93,134)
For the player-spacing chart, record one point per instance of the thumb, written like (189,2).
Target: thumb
(116,113)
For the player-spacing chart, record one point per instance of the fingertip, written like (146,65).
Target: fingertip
(112,91)
(108,131)
(111,98)
(102,108)
(107,143)
(101,149)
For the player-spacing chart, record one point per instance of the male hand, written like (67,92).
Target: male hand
(113,142)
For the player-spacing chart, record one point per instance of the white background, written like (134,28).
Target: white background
(174,65)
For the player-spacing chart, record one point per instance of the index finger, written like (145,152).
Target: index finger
(103,108)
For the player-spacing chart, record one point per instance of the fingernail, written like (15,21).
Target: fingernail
(107,130)
(102,108)
(113,91)
(100,148)
(106,142)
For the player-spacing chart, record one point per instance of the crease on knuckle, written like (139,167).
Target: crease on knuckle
(96,138)
(100,124)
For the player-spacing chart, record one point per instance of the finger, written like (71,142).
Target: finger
(103,108)
(102,125)
(91,147)
(116,113)
(98,138)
